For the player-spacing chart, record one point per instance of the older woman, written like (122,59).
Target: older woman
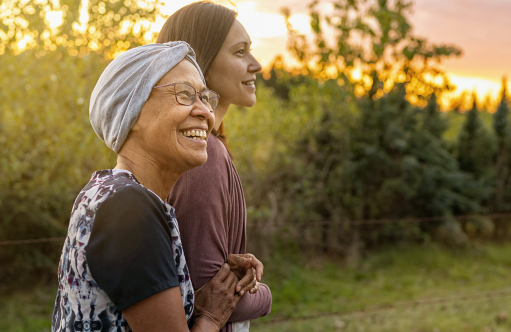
(122,266)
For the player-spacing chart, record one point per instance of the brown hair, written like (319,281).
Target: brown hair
(204,25)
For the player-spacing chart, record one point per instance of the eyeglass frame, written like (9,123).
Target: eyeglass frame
(195,97)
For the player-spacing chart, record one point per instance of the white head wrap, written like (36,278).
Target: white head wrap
(125,85)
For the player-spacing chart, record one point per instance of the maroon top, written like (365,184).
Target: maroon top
(211,212)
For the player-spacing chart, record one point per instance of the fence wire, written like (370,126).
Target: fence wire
(376,221)
(48,239)
(308,224)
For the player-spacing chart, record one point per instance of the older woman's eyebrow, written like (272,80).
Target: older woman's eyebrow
(203,88)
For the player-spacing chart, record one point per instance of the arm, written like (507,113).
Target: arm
(257,302)
(214,303)
(252,306)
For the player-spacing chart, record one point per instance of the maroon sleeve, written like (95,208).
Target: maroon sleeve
(252,306)
(211,213)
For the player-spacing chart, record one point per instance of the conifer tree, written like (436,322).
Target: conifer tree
(502,131)
(433,118)
(474,144)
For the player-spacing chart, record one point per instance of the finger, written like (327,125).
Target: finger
(243,284)
(258,266)
(231,280)
(255,289)
(238,260)
(249,287)
(222,274)
(236,298)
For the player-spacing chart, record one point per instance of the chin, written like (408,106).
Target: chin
(247,102)
(200,160)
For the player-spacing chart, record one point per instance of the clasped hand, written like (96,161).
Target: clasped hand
(217,299)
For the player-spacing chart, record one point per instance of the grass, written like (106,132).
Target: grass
(392,276)
(313,285)
(28,310)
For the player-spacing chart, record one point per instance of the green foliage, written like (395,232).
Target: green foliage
(48,152)
(502,129)
(105,27)
(377,39)
(475,145)
(401,168)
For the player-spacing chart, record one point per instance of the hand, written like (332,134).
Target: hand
(216,300)
(248,269)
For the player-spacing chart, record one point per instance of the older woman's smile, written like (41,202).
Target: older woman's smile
(195,134)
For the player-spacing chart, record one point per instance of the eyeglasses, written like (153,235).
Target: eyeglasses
(186,94)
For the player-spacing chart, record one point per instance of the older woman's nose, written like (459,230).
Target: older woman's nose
(200,110)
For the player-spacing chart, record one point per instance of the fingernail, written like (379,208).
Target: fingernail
(242,292)
(238,288)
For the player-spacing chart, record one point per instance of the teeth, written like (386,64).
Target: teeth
(195,134)
(248,83)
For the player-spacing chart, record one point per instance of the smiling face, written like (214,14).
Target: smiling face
(170,134)
(232,73)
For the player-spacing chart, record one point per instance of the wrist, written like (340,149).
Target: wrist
(205,324)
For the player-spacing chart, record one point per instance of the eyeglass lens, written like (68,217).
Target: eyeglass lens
(185,95)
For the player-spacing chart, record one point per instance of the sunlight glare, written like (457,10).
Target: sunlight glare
(55,18)
(481,86)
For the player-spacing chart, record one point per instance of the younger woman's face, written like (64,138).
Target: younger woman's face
(232,73)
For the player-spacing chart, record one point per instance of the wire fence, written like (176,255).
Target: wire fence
(308,224)
(360,313)
(48,239)
(377,221)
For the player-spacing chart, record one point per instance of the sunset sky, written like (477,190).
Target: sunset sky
(482,29)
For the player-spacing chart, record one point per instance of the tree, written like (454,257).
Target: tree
(376,39)
(475,147)
(79,27)
(502,131)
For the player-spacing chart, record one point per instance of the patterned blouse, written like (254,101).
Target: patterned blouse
(117,252)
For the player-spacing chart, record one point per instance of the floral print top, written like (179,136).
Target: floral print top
(81,304)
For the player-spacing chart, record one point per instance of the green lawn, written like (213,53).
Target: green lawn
(320,285)
(393,276)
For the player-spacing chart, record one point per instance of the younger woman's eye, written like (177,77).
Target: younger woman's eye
(242,51)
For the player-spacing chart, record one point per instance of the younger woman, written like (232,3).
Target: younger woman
(209,199)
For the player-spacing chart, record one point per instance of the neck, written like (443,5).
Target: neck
(220,112)
(148,172)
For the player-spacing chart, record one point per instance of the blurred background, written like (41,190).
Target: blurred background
(376,163)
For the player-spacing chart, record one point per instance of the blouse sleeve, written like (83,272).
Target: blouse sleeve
(252,306)
(129,252)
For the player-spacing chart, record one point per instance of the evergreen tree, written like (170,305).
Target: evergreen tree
(474,144)
(400,168)
(434,122)
(502,131)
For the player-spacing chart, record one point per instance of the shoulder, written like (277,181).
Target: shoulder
(213,172)
(133,197)
(134,209)
(217,149)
